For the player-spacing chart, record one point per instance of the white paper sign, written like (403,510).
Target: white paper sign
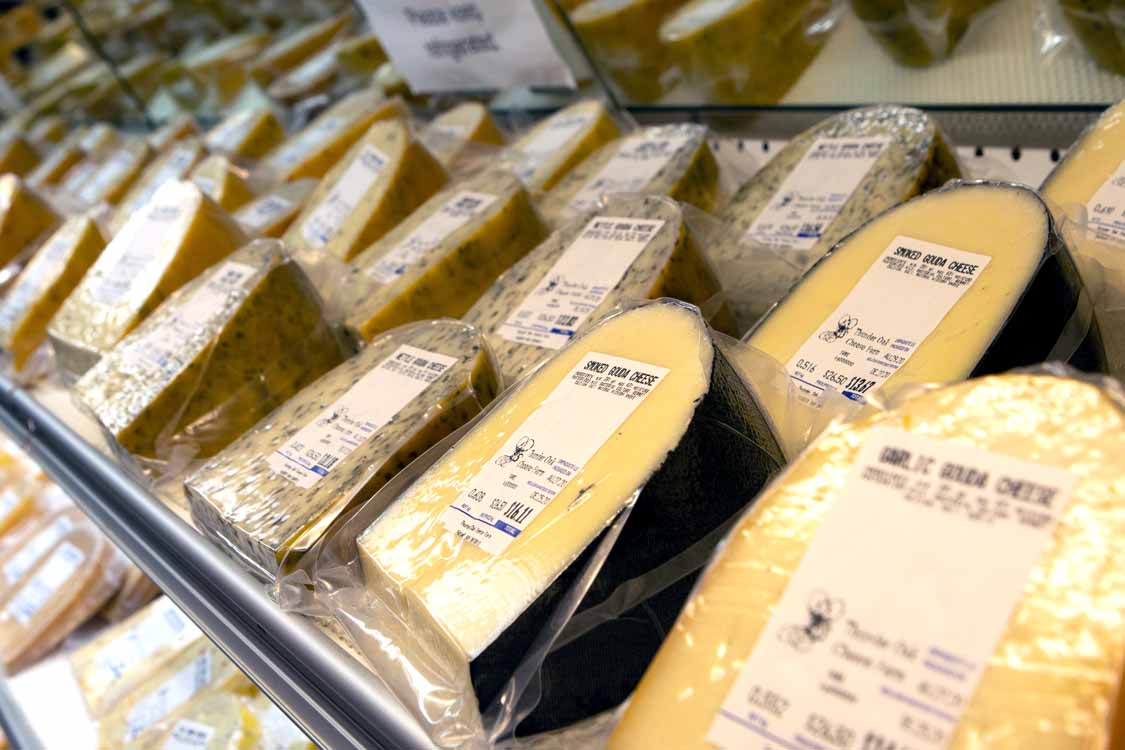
(468,45)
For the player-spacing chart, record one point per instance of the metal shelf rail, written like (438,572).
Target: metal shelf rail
(338,703)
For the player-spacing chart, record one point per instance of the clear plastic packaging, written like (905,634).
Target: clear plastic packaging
(176,129)
(547,151)
(219,720)
(173,164)
(553,509)
(1041,659)
(137,590)
(115,171)
(825,183)
(1099,25)
(449,135)
(293,49)
(918,33)
(248,133)
(271,214)
(223,181)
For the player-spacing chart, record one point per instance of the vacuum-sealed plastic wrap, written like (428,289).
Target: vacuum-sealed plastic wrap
(972,279)
(672,160)
(17,156)
(47,280)
(176,235)
(119,660)
(385,176)
(174,164)
(219,720)
(637,247)
(249,133)
(115,172)
(918,33)
(897,638)
(293,49)
(825,183)
(747,51)
(177,128)
(271,214)
(633,445)
(1098,24)
(214,358)
(222,182)
(314,150)
(271,495)
(545,153)
(449,135)
(314,76)
(137,590)
(444,256)
(24,216)
(61,160)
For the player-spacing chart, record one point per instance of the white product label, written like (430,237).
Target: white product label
(178,690)
(327,218)
(453,215)
(551,137)
(467,45)
(631,169)
(897,605)
(189,735)
(447,132)
(307,140)
(163,628)
(229,135)
(1105,213)
(30,285)
(552,445)
(78,176)
(812,195)
(260,213)
(890,311)
(108,175)
(177,165)
(207,184)
(9,499)
(356,416)
(34,549)
(579,280)
(63,563)
(125,264)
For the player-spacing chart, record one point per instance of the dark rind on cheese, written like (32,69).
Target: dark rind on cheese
(254,515)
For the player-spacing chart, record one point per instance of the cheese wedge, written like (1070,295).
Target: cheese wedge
(392,83)
(636,248)
(51,170)
(271,214)
(17,156)
(114,174)
(222,182)
(315,75)
(253,319)
(249,133)
(222,66)
(176,235)
(969,280)
(385,176)
(176,129)
(642,407)
(120,659)
(94,138)
(360,55)
(919,35)
(1030,685)
(449,134)
(292,50)
(18,498)
(24,216)
(174,164)
(313,151)
(136,591)
(266,502)
(49,129)
(824,184)
(40,289)
(672,160)
(544,154)
(69,60)
(220,720)
(442,258)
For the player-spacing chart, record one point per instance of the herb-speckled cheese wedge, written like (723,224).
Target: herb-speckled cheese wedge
(292,50)
(385,176)
(449,134)
(177,234)
(24,216)
(544,154)
(174,164)
(266,501)
(179,127)
(115,173)
(17,156)
(227,348)
(672,160)
(313,151)
(445,255)
(222,182)
(40,290)
(250,133)
(912,157)
(271,214)
(662,260)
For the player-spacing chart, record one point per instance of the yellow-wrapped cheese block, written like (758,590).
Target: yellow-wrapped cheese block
(179,127)
(250,133)
(40,289)
(174,237)
(636,248)
(17,156)
(114,173)
(360,55)
(544,154)
(450,134)
(314,151)
(222,182)
(271,214)
(24,216)
(385,176)
(1020,474)
(445,255)
(215,357)
(174,164)
(49,129)
(290,51)
(219,720)
(270,496)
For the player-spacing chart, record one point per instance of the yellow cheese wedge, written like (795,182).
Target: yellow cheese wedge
(220,720)
(360,55)
(114,173)
(313,151)
(97,137)
(392,83)
(176,235)
(69,60)
(222,182)
(24,216)
(546,152)
(222,66)
(290,51)
(18,498)
(40,289)
(315,75)
(636,248)
(121,658)
(445,255)
(249,133)
(49,129)
(385,176)
(1042,687)
(215,357)
(17,156)
(136,590)
(174,164)
(62,158)
(449,134)
(271,214)
(177,128)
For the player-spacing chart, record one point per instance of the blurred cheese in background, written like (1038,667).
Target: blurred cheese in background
(552,147)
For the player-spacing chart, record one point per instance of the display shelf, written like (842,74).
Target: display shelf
(337,702)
